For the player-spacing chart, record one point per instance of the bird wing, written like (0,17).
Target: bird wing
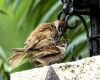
(37,38)
(45,52)
(43,43)
(31,44)
(46,39)
(37,30)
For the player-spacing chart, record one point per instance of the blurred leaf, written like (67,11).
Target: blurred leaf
(1,62)
(8,2)
(78,40)
(3,12)
(79,43)
(2,54)
(50,12)
(16,5)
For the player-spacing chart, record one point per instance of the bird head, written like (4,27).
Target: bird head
(60,27)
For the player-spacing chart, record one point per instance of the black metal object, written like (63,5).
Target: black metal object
(90,8)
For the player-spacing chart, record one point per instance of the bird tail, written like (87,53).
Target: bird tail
(16,58)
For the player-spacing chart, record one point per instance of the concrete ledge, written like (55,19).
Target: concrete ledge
(85,69)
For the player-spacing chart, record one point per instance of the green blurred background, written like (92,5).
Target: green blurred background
(19,17)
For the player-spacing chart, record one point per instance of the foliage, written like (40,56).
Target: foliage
(19,17)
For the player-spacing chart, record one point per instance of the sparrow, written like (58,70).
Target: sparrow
(44,35)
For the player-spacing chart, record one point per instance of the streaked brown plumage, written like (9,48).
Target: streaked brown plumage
(51,55)
(45,35)
(44,57)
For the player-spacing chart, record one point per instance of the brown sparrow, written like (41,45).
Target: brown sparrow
(45,35)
